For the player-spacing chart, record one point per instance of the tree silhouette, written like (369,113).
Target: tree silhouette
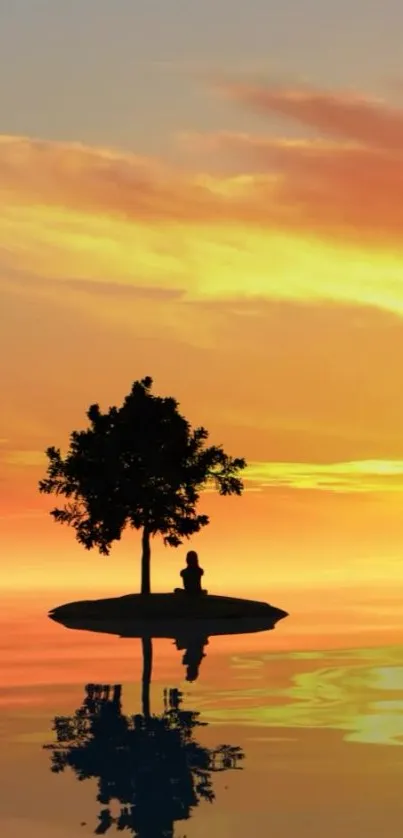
(140,465)
(151,765)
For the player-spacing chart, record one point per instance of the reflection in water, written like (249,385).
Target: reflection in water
(193,654)
(349,692)
(190,636)
(151,765)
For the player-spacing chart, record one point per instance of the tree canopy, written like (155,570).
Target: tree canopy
(140,465)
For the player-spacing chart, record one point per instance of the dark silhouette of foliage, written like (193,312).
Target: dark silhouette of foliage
(151,765)
(141,465)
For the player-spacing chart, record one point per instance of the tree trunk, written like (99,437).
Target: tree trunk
(145,562)
(147,645)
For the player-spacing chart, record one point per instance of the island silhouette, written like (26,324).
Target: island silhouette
(143,466)
(150,770)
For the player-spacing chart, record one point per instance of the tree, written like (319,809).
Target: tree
(141,465)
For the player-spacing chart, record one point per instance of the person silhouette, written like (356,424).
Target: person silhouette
(192,574)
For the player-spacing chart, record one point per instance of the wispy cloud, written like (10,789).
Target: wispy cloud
(345,114)
(102,288)
(359,476)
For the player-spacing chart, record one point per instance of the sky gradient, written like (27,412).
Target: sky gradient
(213,199)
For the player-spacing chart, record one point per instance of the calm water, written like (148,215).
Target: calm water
(272,738)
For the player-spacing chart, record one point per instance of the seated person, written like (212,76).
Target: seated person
(192,575)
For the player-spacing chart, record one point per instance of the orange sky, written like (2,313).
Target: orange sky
(259,281)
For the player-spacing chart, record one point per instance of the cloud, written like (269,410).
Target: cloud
(103,288)
(310,220)
(101,181)
(128,292)
(342,193)
(72,174)
(347,115)
(341,179)
(345,478)
(309,185)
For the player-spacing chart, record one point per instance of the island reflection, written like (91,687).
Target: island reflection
(150,765)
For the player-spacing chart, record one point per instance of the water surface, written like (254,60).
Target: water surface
(272,738)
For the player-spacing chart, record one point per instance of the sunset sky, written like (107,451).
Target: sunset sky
(211,194)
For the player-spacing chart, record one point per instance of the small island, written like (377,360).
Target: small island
(128,615)
(143,466)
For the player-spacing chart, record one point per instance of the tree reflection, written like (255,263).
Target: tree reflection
(150,765)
